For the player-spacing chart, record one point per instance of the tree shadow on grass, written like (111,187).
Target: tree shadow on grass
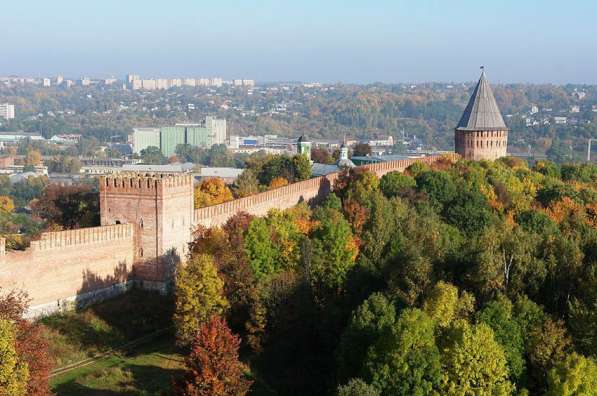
(139,380)
(115,322)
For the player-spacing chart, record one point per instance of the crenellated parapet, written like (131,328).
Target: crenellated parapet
(144,184)
(82,237)
(307,190)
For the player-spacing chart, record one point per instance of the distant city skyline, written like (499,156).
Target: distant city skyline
(333,41)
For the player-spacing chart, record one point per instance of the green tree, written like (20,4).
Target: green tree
(262,252)
(468,211)
(334,251)
(497,314)
(152,156)
(357,387)
(302,167)
(547,168)
(406,360)
(506,261)
(536,222)
(199,295)
(443,304)
(583,322)
(396,183)
(527,314)
(439,187)
(473,362)
(14,373)
(368,322)
(378,228)
(575,376)
(246,184)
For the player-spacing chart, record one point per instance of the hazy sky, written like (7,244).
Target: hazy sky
(307,40)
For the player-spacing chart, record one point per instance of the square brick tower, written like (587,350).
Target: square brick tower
(481,133)
(160,207)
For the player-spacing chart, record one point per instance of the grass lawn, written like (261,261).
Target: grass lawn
(143,369)
(147,371)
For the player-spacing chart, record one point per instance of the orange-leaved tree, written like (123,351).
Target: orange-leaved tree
(213,366)
(278,182)
(6,204)
(211,192)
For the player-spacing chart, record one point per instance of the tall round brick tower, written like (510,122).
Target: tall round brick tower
(481,133)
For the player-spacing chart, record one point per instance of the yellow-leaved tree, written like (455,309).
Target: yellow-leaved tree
(6,204)
(14,373)
(199,295)
(212,191)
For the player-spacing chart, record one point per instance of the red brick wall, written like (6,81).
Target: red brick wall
(62,265)
(481,145)
(288,196)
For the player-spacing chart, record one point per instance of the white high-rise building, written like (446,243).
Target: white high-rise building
(189,82)
(136,84)
(217,128)
(7,111)
(46,82)
(59,79)
(162,83)
(149,84)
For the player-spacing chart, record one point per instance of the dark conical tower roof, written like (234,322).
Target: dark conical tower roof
(482,112)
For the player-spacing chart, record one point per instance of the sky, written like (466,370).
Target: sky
(537,41)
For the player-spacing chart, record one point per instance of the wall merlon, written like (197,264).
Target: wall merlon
(82,237)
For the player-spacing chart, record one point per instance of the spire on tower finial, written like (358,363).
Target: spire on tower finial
(482,69)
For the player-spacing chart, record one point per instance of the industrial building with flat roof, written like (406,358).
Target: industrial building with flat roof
(211,131)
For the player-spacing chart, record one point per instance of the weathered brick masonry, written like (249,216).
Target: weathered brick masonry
(143,219)
(70,266)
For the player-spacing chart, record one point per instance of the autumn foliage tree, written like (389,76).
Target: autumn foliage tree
(213,366)
(68,206)
(13,370)
(30,345)
(278,182)
(211,191)
(7,205)
(199,295)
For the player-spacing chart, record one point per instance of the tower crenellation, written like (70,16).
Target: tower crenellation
(159,205)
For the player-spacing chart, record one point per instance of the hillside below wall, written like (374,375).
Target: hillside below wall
(288,196)
(74,266)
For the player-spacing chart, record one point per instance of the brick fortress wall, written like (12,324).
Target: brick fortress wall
(143,218)
(74,266)
(288,196)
